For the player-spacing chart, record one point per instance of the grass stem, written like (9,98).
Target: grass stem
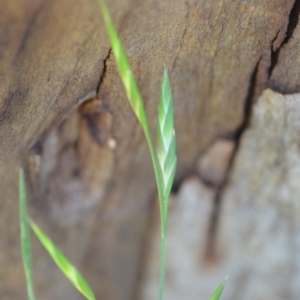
(25,236)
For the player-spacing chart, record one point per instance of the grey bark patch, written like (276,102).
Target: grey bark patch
(259,222)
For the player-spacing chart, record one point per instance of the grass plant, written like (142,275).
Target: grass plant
(163,158)
(58,257)
(25,236)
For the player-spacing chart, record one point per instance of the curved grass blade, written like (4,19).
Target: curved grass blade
(63,263)
(25,237)
(217,294)
(126,75)
(130,86)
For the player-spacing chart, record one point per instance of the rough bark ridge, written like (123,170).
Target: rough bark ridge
(64,116)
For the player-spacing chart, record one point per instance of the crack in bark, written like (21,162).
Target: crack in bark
(292,24)
(211,251)
(104,70)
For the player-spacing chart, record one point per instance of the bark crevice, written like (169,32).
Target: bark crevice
(104,70)
(249,101)
(292,24)
(211,252)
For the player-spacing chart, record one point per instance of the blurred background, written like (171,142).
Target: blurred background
(234,209)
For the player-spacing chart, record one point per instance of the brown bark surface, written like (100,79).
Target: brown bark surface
(64,117)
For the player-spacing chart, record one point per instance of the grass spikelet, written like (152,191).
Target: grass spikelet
(25,237)
(165,136)
(165,148)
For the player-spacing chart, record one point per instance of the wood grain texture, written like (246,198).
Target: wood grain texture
(89,174)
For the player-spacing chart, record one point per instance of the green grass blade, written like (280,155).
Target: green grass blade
(124,69)
(63,263)
(25,236)
(130,86)
(217,294)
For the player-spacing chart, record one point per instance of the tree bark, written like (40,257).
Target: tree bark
(64,117)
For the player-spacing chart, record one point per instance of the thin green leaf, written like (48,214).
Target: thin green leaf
(130,86)
(63,263)
(123,65)
(25,236)
(216,295)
